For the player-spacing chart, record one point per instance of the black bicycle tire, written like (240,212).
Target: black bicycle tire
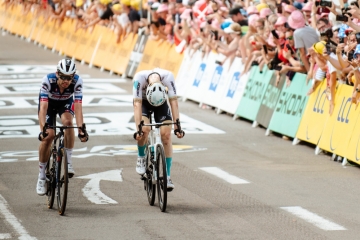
(161,178)
(51,184)
(62,184)
(150,187)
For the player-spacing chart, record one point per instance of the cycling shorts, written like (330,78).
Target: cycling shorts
(161,113)
(58,107)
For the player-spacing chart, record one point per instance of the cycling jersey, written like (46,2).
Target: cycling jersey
(50,91)
(141,83)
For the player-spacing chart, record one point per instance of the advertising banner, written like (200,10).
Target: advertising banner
(290,106)
(253,94)
(136,55)
(315,116)
(353,150)
(268,103)
(235,88)
(340,126)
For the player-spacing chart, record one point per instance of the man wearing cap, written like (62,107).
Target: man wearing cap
(304,36)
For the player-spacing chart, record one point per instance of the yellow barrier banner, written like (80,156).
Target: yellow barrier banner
(84,37)
(90,48)
(122,53)
(315,116)
(8,18)
(53,35)
(2,15)
(73,40)
(45,34)
(61,43)
(36,31)
(101,58)
(339,127)
(162,55)
(353,150)
(174,60)
(16,27)
(28,24)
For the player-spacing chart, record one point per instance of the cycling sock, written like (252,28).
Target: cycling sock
(42,167)
(141,150)
(168,165)
(69,154)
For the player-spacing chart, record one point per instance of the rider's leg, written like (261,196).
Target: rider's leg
(165,132)
(44,153)
(67,120)
(141,144)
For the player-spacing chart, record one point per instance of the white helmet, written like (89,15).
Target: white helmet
(156,94)
(66,67)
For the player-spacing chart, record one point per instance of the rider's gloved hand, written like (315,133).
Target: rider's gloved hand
(179,133)
(137,135)
(84,137)
(43,134)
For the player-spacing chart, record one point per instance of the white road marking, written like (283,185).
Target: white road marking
(86,79)
(5,235)
(92,189)
(88,101)
(313,218)
(224,175)
(34,88)
(97,124)
(12,220)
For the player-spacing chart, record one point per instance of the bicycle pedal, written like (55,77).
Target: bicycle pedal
(70,175)
(143,177)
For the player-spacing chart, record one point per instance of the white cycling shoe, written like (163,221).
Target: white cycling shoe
(140,165)
(41,187)
(170,185)
(71,171)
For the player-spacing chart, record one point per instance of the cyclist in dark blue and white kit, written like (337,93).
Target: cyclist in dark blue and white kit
(60,93)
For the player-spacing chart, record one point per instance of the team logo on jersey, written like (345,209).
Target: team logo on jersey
(79,88)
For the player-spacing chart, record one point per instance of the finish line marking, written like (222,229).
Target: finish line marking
(313,218)
(224,175)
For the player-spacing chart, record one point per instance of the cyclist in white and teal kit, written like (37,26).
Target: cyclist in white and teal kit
(149,94)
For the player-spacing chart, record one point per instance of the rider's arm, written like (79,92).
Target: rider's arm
(139,82)
(44,101)
(137,111)
(42,114)
(169,81)
(78,104)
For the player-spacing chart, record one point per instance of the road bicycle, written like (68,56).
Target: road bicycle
(155,163)
(57,177)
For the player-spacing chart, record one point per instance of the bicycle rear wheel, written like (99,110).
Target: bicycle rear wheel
(62,181)
(51,181)
(161,177)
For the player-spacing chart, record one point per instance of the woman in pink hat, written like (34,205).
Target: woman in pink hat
(306,10)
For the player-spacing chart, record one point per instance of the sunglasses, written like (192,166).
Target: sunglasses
(65,77)
(290,38)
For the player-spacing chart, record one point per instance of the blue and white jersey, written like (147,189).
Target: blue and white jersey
(50,90)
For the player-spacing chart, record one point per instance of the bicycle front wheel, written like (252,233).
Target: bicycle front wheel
(50,181)
(62,181)
(150,186)
(161,177)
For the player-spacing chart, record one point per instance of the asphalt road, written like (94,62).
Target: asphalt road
(268,189)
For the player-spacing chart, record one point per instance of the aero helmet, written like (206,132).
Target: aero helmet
(66,67)
(156,94)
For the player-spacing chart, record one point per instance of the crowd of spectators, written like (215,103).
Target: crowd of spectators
(318,38)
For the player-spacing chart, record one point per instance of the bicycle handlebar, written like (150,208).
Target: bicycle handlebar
(157,125)
(47,126)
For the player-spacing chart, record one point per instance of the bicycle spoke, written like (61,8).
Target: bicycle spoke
(162,177)
(62,182)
